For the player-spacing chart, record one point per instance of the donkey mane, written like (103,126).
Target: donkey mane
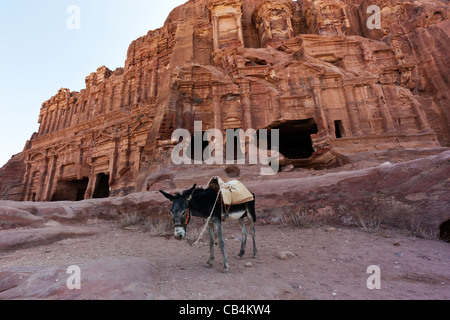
(197,192)
(203,192)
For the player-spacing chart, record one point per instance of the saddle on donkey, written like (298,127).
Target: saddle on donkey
(232,193)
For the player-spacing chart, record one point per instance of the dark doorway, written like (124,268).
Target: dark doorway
(72,190)
(339,129)
(295,138)
(444,231)
(233,146)
(196,141)
(101,186)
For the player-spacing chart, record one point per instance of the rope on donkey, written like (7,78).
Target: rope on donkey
(207,222)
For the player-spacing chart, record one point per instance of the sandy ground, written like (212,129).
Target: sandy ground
(322,262)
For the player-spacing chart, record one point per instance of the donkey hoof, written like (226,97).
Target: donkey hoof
(208,265)
(255,256)
(226,270)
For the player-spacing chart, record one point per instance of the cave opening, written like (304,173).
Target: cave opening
(71,190)
(295,138)
(101,186)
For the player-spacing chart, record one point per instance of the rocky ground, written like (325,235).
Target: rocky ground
(317,234)
(319,262)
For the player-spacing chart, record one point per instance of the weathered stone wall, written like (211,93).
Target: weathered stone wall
(11,179)
(250,64)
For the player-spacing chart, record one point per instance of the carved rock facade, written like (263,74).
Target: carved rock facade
(310,68)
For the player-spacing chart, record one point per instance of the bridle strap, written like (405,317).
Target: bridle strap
(188,216)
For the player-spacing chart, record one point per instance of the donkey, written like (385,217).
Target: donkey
(199,202)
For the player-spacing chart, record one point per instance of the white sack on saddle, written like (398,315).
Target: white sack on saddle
(233,192)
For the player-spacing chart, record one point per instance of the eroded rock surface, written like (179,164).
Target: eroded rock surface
(107,279)
(311,68)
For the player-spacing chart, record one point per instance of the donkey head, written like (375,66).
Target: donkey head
(180,211)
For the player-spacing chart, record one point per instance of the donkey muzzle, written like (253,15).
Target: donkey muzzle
(179,233)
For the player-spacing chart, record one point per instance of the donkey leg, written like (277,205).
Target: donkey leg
(219,231)
(211,245)
(244,236)
(252,226)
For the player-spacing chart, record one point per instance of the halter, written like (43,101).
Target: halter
(188,216)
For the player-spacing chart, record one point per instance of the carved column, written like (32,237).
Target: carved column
(111,98)
(154,82)
(59,113)
(184,112)
(137,161)
(50,122)
(65,120)
(89,193)
(238,18)
(42,168)
(43,121)
(322,122)
(28,175)
(388,122)
(50,172)
(72,113)
(100,108)
(421,119)
(216,32)
(246,105)
(89,105)
(352,111)
(122,92)
(216,109)
(113,162)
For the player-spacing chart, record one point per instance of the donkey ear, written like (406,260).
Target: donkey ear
(190,192)
(167,195)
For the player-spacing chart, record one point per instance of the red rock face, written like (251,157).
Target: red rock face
(11,179)
(312,68)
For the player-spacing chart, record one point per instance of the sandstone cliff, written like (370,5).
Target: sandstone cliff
(311,68)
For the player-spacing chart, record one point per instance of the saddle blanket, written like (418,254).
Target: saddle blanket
(233,192)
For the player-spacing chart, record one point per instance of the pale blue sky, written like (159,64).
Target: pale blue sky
(39,54)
